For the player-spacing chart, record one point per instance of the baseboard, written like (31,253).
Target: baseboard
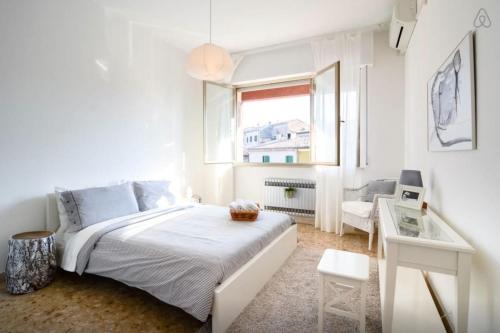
(304,220)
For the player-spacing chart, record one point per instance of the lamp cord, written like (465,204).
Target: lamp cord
(210,26)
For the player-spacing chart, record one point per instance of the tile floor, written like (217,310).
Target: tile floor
(90,303)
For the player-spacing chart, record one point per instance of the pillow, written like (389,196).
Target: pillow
(153,194)
(61,211)
(379,187)
(93,205)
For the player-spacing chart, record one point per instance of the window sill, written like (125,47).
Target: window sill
(281,165)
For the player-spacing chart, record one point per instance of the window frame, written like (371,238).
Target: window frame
(335,65)
(234,124)
(284,83)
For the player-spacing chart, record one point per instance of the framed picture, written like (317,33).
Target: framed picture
(410,196)
(451,111)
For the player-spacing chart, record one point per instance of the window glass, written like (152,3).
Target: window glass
(325,117)
(278,123)
(219,124)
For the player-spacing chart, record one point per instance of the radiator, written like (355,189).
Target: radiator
(302,203)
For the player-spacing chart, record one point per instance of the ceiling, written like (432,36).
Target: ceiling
(240,25)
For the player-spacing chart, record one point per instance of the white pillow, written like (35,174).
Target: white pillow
(153,194)
(63,215)
(89,206)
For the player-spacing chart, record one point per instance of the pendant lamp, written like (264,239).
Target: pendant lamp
(209,62)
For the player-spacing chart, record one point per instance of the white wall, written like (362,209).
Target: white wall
(275,156)
(385,100)
(249,180)
(86,99)
(461,186)
(276,63)
(385,113)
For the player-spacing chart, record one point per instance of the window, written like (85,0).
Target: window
(219,123)
(280,117)
(285,123)
(325,113)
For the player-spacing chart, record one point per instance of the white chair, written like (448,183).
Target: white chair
(347,272)
(360,207)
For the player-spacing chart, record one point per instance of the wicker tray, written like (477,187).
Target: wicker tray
(244,215)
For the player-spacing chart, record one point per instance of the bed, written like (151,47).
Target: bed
(190,256)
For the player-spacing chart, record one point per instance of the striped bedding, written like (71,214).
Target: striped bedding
(181,255)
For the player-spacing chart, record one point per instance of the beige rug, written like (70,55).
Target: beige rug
(289,302)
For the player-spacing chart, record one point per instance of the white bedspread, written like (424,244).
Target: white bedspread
(71,243)
(178,256)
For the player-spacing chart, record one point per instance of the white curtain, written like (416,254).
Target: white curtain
(328,197)
(352,50)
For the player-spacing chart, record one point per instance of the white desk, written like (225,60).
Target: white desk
(421,240)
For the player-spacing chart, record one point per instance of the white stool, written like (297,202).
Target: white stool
(347,271)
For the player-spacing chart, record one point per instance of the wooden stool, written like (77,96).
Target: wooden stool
(31,262)
(346,271)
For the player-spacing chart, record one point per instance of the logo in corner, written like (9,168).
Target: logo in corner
(482,19)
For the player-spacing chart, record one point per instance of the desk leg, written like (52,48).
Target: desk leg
(321,305)
(391,270)
(463,281)
(380,244)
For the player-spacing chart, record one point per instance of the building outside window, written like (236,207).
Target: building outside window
(277,121)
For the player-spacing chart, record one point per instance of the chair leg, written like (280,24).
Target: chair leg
(370,241)
(341,228)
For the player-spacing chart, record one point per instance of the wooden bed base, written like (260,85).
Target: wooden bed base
(234,294)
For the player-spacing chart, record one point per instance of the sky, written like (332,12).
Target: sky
(274,110)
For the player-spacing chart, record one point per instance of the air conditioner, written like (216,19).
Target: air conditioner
(402,24)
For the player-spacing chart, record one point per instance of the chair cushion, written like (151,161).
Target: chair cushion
(358,208)
(379,187)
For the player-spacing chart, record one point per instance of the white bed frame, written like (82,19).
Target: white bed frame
(237,291)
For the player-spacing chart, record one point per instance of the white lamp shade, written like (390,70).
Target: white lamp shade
(209,62)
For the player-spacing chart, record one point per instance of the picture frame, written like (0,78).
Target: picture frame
(410,196)
(451,103)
